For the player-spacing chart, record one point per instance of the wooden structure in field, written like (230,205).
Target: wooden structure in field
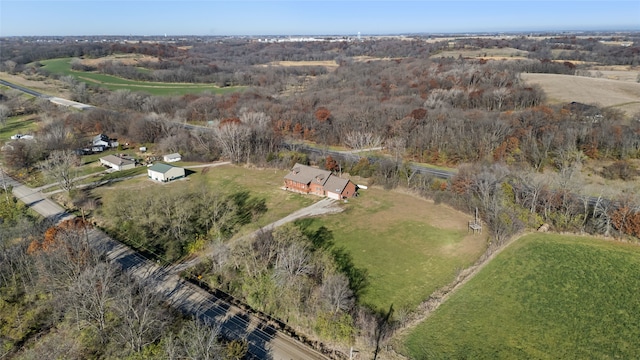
(475,225)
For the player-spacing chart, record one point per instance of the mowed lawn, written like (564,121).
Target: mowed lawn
(227,179)
(544,297)
(408,246)
(63,67)
(23,124)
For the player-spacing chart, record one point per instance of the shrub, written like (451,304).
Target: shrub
(622,170)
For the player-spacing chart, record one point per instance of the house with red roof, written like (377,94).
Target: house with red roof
(309,180)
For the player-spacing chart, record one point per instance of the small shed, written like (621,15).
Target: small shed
(172,157)
(165,172)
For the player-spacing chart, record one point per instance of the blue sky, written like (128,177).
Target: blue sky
(301,17)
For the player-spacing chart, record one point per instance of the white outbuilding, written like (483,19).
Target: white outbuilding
(117,163)
(172,157)
(165,172)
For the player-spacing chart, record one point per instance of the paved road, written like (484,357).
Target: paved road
(35,200)
(53,99)
(24,89)
(265,342)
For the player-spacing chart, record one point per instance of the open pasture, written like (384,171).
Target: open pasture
(408,246)
(544,297)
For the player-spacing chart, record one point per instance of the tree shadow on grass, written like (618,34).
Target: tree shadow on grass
(322,239)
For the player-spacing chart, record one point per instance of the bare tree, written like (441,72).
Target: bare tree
(292,262)
(499,97)
(10,65)
(62,166)
(361,140)
(337,293)
(142,316)
(233,137)
(4,114)
(200,341)
(92,294)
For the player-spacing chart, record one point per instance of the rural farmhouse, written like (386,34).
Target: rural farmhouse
(103,141)
(165,172)
(117,163)
(308,180)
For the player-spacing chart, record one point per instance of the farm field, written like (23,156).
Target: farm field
(619,94)
(544,297)
(408,246)
(63,66)
(489,53)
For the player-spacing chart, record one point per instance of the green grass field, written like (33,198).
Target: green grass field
(24,124)
(229,179)
(63,67)
(261,183)
(408,246)
(544,297)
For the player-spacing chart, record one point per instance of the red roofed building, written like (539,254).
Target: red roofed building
(308,180)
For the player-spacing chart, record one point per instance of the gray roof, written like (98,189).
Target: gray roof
(307,174)
(117,160)
(161,168)
(173,156)
(336,184)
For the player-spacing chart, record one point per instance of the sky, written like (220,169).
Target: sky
(307,17)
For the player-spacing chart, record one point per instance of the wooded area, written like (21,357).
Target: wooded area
(518,160)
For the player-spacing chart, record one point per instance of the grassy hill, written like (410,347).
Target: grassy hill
(63,67)
(544,297)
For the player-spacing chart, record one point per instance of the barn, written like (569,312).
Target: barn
(165,172)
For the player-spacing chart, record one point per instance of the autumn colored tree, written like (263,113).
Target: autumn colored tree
(418,114)
(331,164)
(627,221)
(323,114)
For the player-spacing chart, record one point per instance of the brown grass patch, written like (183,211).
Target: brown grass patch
(594,184)
(620,94)
(325,63)
(38,83)
(486,53)
(126,59)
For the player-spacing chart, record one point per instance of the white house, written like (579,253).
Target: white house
(117,163)
(165,172)
(104,141)
(172,157)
